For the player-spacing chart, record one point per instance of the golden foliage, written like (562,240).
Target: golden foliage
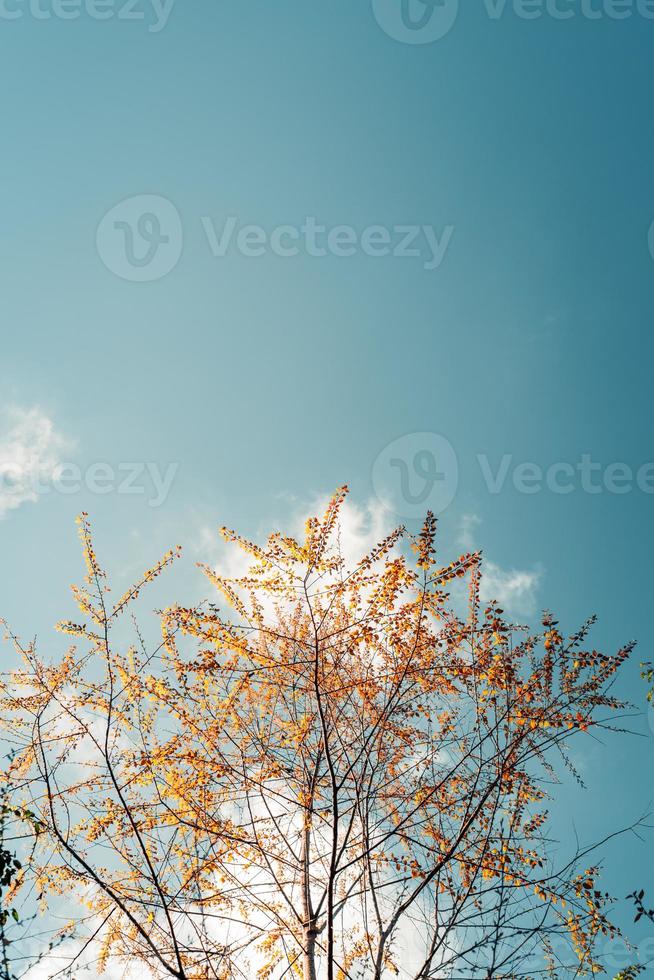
(300,771)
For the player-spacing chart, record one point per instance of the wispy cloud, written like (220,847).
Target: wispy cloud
(30,454)
(54,964)
(363,525)
(516,590)
(466,531)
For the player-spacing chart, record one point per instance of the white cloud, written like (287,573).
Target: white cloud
(515,590)
(55,963)
(466,528)
(30,454)
(364,525)
(361,528)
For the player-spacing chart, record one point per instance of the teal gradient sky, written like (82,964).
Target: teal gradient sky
(272,380)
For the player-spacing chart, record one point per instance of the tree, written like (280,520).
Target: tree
(325,766)
(638,897)
(18,826)
(9,868)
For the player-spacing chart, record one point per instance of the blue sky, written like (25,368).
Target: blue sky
(523,146)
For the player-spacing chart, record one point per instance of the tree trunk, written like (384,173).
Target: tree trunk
(310,930)
(309,955)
